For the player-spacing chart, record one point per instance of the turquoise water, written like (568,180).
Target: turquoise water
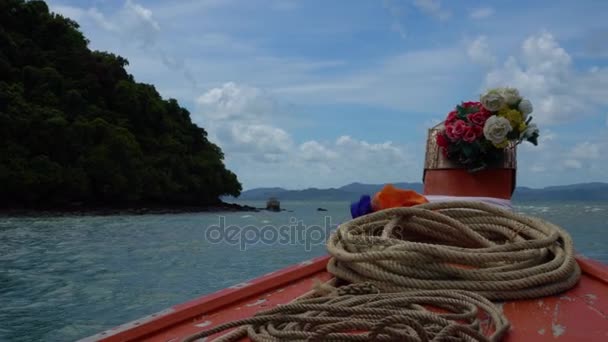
(65,278)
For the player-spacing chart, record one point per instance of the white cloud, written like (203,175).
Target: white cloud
(479,51)
(433,7)
(131,21)
(584,153)
(410,81)
(74,13)
(481,13)
(242,120)
(585,150)
(136,28)
(239,118)
(144,14)
(329,164)
(315,151)
(544,73)
(232,101)
(572,164)
(260,140)
(397,13)
(101,20)
(536,168)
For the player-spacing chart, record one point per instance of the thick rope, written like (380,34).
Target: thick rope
(455,246)
(407,316)
(422,274)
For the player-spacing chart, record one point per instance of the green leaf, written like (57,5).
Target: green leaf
(467,150)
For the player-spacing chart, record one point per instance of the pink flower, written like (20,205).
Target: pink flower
(479,118)
(449,132)
(459,128)
(469,134)
(456,130)
(452,116)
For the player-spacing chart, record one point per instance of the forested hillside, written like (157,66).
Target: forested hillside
(76,128)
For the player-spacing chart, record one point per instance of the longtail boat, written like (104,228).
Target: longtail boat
(579,314)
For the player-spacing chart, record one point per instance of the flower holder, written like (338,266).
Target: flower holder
(445,177)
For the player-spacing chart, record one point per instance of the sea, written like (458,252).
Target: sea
(66,278)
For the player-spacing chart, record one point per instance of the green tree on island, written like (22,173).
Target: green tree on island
(76,128)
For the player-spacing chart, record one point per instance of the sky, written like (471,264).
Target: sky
(315,93)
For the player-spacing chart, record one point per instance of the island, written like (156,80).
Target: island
(78,132)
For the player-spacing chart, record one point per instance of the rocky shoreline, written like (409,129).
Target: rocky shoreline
(82,210)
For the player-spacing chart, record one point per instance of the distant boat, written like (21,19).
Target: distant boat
(579,314)
(273,204)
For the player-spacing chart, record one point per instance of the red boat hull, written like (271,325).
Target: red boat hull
(580,314)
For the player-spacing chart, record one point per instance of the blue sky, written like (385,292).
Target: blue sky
(322,93)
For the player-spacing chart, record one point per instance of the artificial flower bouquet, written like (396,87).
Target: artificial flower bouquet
(476,133)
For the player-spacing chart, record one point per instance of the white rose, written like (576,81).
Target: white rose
(511,95)
(492,100)
(496,129)
(530,131)
(525,107)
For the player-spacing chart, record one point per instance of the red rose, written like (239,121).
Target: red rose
(470,104)
(479,118)
(469,134)
(452,116)
(459,128)
(478,130)
(442,141)
(449,132)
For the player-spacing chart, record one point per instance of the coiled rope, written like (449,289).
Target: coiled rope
(404,316)
(433,267)
(455,246)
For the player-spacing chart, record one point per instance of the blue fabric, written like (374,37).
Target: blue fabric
(363,207)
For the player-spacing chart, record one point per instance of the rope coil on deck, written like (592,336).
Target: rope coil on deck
(434,267)
(373,317)
(457,245)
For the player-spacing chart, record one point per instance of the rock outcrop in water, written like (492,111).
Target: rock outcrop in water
(77,131)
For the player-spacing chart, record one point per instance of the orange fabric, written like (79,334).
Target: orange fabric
(392,197)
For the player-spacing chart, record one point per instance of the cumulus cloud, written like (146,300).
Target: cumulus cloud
(479,51)
(316,152)
(241,119)
(261,142)
(543,71)
(433,8)
(348,159)
(232,101)
(481,13)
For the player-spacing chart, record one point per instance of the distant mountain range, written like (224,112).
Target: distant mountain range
(351,192)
